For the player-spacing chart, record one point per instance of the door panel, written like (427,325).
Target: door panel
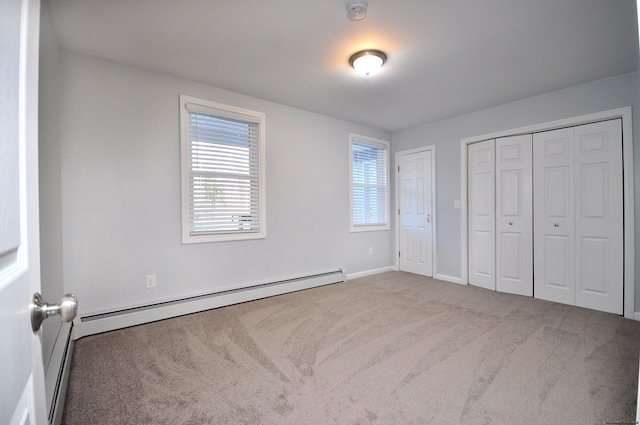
(416,212)
(510,192)
(554,234)
(557,195)
(22,389)
(511,247)
(407,246)
(599,216)
(558,273)
(593,255)
(514,245)
(484,256)
(481,160)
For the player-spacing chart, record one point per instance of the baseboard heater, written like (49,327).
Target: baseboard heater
(56,376)
(104,322)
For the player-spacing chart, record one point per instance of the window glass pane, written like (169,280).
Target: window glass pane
(223,177)
(369,183)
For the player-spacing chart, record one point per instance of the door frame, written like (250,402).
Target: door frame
(434,209)
(628,190)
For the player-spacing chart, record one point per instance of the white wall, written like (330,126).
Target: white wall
(587,98)
(117,157)
(120,191)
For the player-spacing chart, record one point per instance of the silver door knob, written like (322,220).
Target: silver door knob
(511,223)
(428,218)
(556,225)
(66,309)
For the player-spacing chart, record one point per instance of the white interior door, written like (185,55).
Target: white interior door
(22,399)
(415,177)
(514,226)
(481,174)
(599,216)
(554,227)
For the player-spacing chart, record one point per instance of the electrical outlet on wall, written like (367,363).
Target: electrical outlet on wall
(370,250)
(151,281)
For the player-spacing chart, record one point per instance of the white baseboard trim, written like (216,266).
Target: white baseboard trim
(104,322)
(351,276)
(446,278)
(636,316)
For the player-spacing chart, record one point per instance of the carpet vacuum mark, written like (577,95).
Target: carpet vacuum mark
(393,348)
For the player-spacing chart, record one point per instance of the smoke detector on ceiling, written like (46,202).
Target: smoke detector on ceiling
(356,9)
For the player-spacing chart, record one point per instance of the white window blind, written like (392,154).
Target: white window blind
(369,185)
(223,161)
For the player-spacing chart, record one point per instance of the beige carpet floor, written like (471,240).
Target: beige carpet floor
(393,348)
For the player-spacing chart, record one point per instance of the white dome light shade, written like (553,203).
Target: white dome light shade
(367,62)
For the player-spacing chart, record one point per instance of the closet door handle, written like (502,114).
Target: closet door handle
(556,225)
(511,223)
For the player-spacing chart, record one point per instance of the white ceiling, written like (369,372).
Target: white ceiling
(445,57)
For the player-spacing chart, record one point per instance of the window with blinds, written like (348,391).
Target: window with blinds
(369,183)
(222,172)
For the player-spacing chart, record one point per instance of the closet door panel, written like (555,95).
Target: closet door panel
(514,267)
(482,214)
(599,216)
(553,217)
(558,249)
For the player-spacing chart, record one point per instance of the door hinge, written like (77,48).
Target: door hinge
(398,211)
(398,254)
(398,168)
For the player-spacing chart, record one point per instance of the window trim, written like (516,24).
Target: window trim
(231,112)
(380,144)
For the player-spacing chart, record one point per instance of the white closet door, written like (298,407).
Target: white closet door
(553,216)
(599,223)
(481,160)
(416,224)
(514,227)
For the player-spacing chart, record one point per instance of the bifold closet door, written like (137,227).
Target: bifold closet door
(599,216)
(578,216)
(481,190)
(514,227)
(554,234)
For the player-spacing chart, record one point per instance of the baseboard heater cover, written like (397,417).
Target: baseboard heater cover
(57,374)
(104,322)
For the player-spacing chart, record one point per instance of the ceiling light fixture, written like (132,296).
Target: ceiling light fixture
(367,62)
(356,9)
